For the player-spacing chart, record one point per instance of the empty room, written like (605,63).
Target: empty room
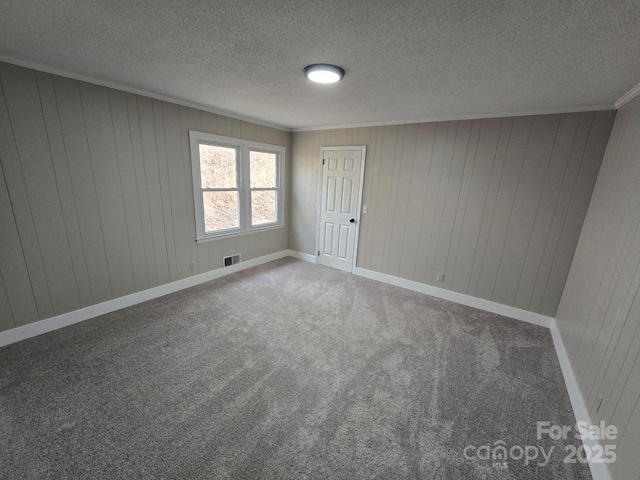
(320,240)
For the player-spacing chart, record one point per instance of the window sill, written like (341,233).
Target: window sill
(239,233)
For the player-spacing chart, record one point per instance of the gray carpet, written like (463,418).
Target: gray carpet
(287,370)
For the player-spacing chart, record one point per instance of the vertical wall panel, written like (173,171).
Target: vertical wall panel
(626,465)
(96,197)
(154,191)
(482,171)
(463,198)
(141,187)
(36,161)
(490,205)
(82,182)
(517,144)
(396,164)
(428,230)
(554,174)
(495,204)
(525,203)
(552,245)
(362,136)
(389,139)
(175,172)
(372,165)
(618,279)
(466,136)
(18,291)
(417,194)
(620,361)
(102,154)
(580,197)
(65,189)
(405,174)
(165,191)
(296,190)
(599,312)
(6,317)
(129,184)
(435,226)
(616,290)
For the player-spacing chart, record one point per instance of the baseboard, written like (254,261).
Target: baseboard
(599,471)
(307,257)
(486,305)
(53,323)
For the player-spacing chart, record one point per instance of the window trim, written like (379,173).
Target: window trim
(243,147)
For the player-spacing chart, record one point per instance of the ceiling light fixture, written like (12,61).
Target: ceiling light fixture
(323,73)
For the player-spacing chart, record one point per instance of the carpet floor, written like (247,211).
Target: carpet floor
(286,370)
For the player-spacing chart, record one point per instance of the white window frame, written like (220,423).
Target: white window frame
(242,147)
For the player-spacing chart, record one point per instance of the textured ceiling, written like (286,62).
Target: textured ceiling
(405,60)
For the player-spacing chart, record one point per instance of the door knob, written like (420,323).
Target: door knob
(353,220)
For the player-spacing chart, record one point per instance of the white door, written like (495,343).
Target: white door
(341,174)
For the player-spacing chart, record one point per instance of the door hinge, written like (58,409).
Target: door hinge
(323,161)
(318,252)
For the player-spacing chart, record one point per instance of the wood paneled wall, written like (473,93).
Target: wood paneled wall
(96,197)
(495,204)
(599,315)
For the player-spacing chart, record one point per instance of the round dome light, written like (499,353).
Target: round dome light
(323,73)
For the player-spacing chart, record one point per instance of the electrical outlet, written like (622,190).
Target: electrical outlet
(441,277)
(192,265)
(365,209)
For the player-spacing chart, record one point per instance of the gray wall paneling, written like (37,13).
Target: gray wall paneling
(599,313)
(96,196)
(495,204)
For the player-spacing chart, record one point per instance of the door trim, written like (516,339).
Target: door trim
(360,148)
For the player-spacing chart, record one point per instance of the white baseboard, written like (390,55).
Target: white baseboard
(599,471)
(486,305)
(53,323)
(307,257)
(43,326)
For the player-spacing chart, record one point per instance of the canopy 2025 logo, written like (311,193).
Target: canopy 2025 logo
(499,453)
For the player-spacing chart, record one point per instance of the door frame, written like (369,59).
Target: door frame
(363,149)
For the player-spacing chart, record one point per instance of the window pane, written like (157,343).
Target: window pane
(263,170)
(217,166)
(220,211)
(263,207)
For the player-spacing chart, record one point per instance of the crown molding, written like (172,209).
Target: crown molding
(550,111)
(138,91)
(627,97)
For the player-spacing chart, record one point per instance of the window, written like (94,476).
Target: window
(237,185)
